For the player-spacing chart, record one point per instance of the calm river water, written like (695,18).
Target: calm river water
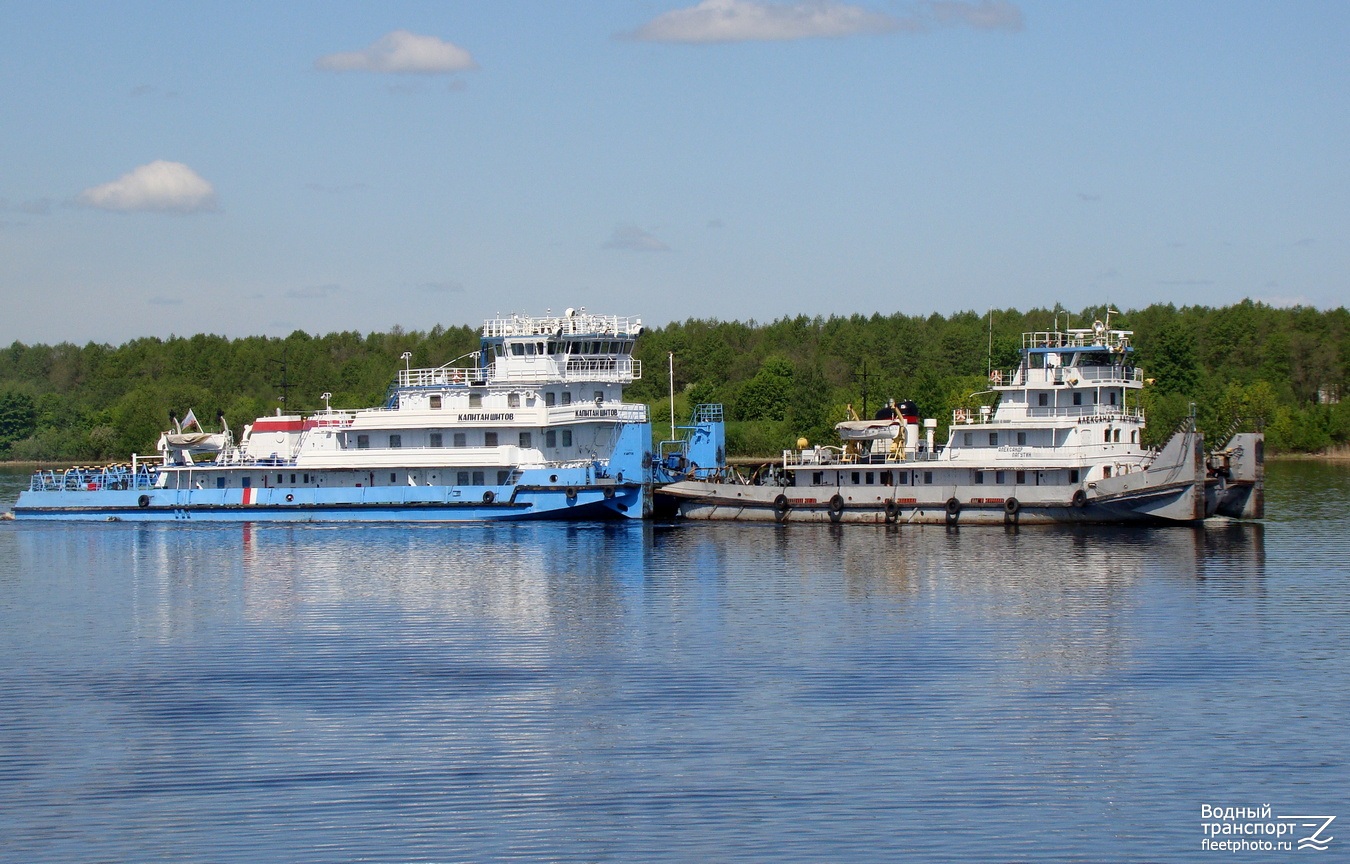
(640,693)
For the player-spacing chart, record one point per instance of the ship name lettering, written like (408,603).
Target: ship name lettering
(506,416)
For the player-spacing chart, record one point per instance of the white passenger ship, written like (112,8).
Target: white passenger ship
(534,427)
(1062,444)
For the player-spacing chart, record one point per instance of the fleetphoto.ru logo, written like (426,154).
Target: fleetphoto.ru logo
(1254,829)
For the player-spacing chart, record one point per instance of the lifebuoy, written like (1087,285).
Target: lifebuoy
(892,510)
(953,508)
(1011,506)
(780,508)
(143,501)
(1080,498)
(489,496)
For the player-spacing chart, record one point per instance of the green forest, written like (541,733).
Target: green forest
(1246,366)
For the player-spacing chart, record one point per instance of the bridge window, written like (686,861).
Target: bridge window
(1078,398)
(550,398)
(567,397)
(478,478)
(855,478)
(517,349)
(395,441)
(886,478)
(475,400)
(220,482)
(928,477)
(551,438)
(567,438)
(489,439)
(1116,436)
(1021,476)
(979,477)
(437,440)
(513,400)
(461,439)
(435,402)
(993,439)
(870,478)
(1021,439)
(998,477)
(362,442)
(526,439)
(1043,399)
(462,478)
(502,477)
(1073,475)
(817,478)
(1113,397)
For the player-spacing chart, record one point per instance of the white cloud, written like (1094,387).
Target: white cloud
(756,21)
(764,21)
(161,185)
(401,51)
(634,239)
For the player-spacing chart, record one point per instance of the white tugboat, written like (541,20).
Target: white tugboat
(1063,443)
(534,427)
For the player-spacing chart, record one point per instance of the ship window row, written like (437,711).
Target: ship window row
(968,439)
(903,478)
(544,349)
(461,439)
(462,478)
(513,400)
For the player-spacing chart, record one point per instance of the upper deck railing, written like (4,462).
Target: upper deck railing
(1096,336)
(1119,374)
(534,370)
(576,324)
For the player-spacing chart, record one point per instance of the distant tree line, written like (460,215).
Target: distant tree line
(1245,366)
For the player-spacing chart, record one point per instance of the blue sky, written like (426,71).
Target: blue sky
(256,168)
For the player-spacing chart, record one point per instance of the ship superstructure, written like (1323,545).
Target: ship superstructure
(1062,442)
(533,425)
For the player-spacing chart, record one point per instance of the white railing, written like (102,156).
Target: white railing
(606,370)
(439,377)
(580,324)
(1094,337)
(1066,374)
(1081,413)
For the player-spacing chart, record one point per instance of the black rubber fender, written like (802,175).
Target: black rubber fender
(781,506)
(143,501)
(1080,498)
(953,508)
(489,496)
(1012,506)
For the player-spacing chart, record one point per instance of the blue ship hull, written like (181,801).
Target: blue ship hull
(372,504)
